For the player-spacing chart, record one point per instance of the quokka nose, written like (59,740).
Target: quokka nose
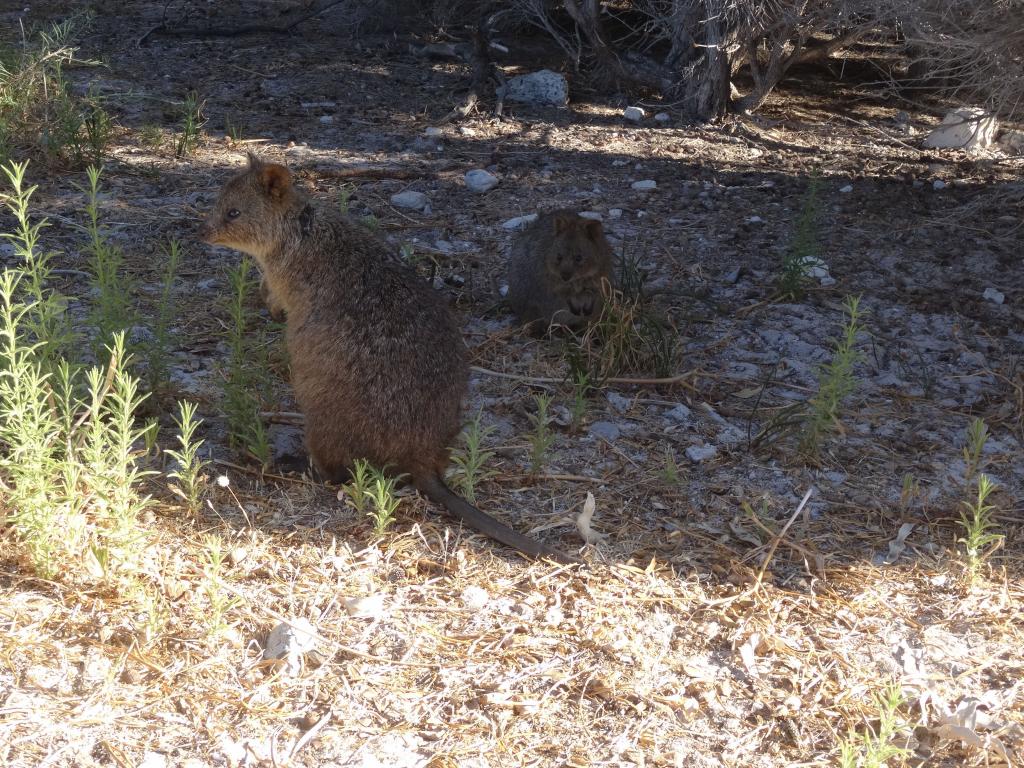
(566,275)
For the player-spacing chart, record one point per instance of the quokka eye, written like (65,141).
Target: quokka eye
(578,258)
(234,213)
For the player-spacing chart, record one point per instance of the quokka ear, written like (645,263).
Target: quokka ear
(275,180)
(594,230)
(563,222)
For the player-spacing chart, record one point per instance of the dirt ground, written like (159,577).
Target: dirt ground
(698,635)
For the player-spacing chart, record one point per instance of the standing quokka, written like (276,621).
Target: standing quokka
(377,362)
(558,271)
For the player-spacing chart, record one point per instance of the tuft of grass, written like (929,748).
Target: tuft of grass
(189,126)
(541,438)
(246,374)
(879,744)
(670,467)
(158,347)
(70,469)
(189,473)
(111,311)
(220,600)
(804,248)
(471,460)
(40,115)
(151,136)
(978,522)
(629,335)
(381,493)
(357,489)
(835,383)
(371,222)
(581,389)
(233,130)
(344,197)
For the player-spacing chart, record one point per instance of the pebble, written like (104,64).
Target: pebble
(938,184)
(991,294)
(645,185)
(479,180)
(289,641)
(847,189)
(636,114)
(679,413)
(432,131)
(614,213)
(605,430)
(519,221)
(698,453)
(663,117)
(417,201)
(618,402)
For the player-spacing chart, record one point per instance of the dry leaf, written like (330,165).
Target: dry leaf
(590,536)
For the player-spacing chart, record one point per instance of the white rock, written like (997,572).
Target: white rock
(326,119)
(964,128)
(619,163)
(432,131)
(755,220)
(636,114)
(663,117)
(938,184)
(288,642)
(991,294)
(606,430)
(644,185)
(543,87)
(520,221)
(1012,140)
(417,201)
(369,607)
(594,215)
(153,760)
(479,180)
(698,453)
(614,213)
(618,402)
(680,413)
(847,189)
(475,598)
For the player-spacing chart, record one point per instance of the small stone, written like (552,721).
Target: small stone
(432,131)
(519,222)
(479,180)
(618,402)
(756,220)
(636,114)
(699,453)
(288,642)
(237,555)
(733,275)
(646,185)
(543,87)
(938,184)
(965,128)
(663,117)
(593,215)
(847,189)
(614,213)
(417,201)
(475,598)
(369,607)
(153,760)
(619,163)
(326,119)
(679,413)
(991,294)
(606,430)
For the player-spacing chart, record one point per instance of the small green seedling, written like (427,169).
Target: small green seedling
(541,438)
(471,460)
(189,473)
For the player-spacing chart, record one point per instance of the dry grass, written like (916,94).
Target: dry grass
(697,634)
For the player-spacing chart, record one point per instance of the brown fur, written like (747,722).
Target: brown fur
(556,269)
(377,362)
